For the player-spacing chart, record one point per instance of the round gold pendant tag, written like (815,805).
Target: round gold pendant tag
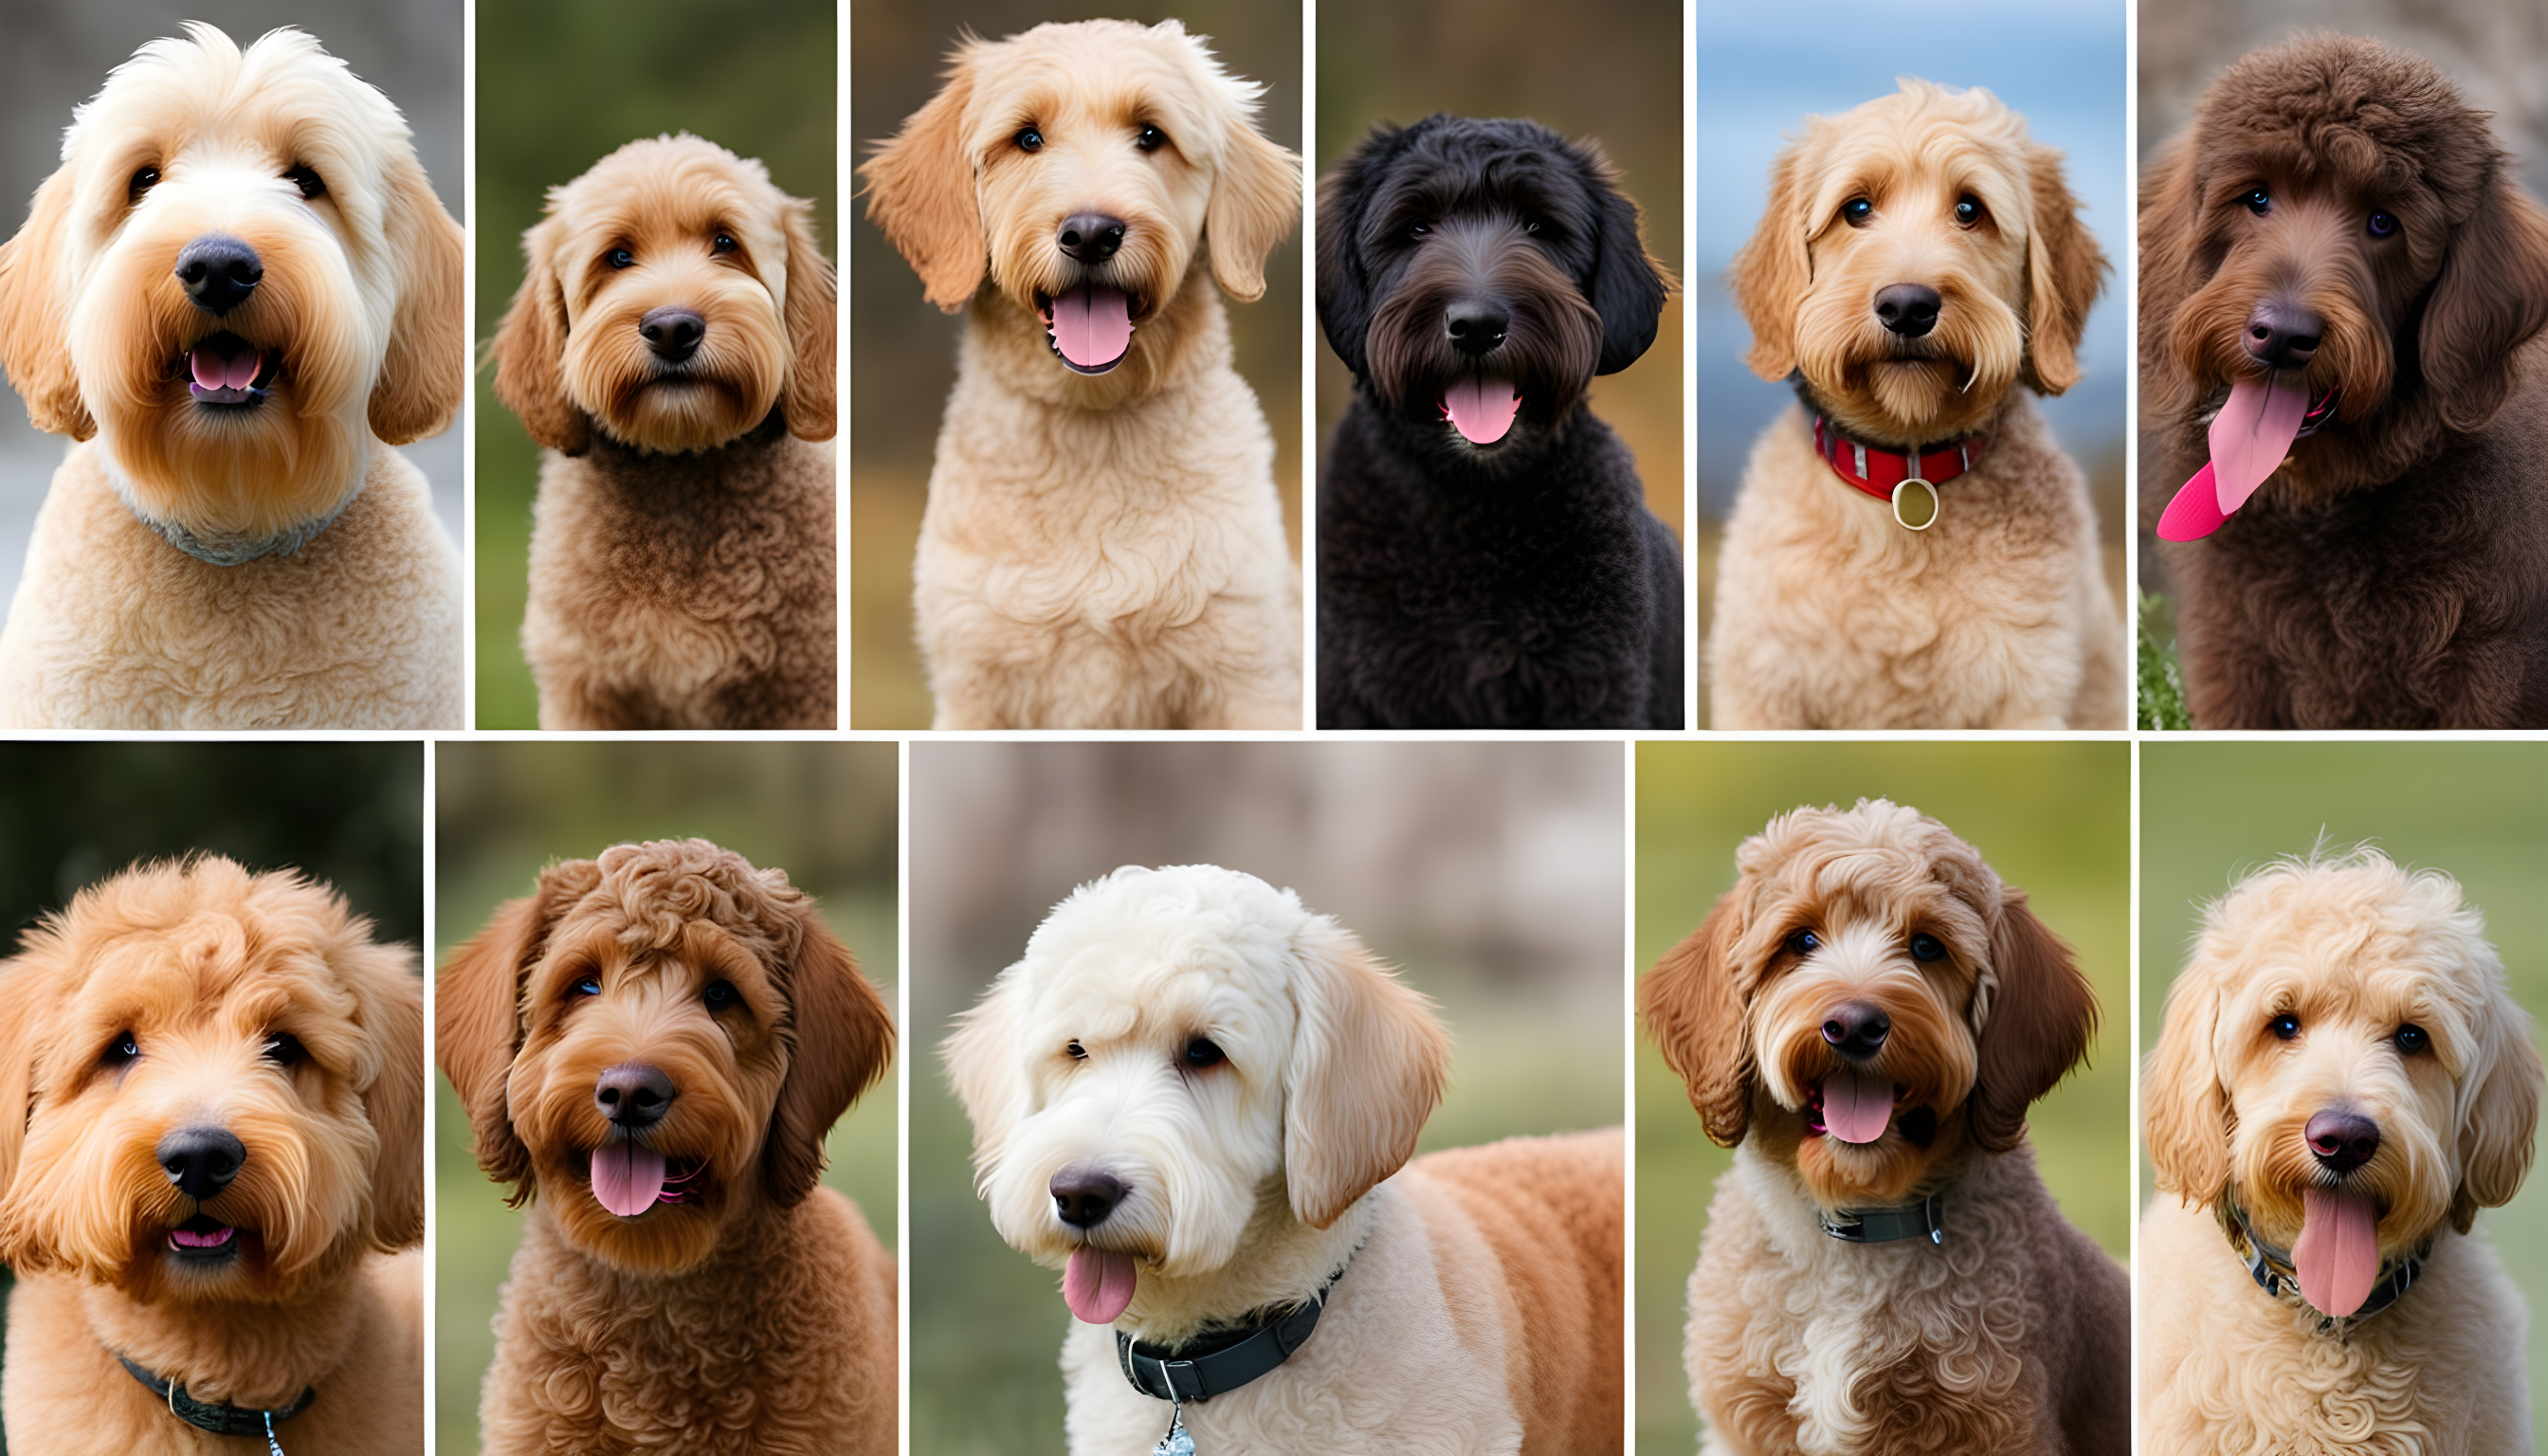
(1915,510)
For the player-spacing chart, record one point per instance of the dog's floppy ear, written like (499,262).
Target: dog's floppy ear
(34,315)
(2043,1014)
(478,1027)
(1255,198)
(844,1040)
(1694,1011)
(921,192)
(2492,297)
(2167,274)
(984,1068)
(388,997)
(1367,1065)
(2064,271)
(1344,294)
(1771,270)
(530,350)
(813,328)
(2502,1116)
(2185,1116)
(24,991)
(426,367)
(1626,287)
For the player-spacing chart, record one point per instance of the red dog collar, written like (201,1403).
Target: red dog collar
(1890,475)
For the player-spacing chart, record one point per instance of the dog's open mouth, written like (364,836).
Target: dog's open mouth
(204,1240)
(1853,1106)
(630,1178)
(225,369)
(1480,409)
(2337,1256)
(1090,328)
(2320,413)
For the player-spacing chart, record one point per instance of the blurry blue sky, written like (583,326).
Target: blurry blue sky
(1764,66)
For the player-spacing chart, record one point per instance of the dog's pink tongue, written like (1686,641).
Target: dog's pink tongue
(212,372)
(2253,432)
(1481,409)
(1856,1105)
(627,1177)
(1092,326)
(1099,1284)
(2337,1255)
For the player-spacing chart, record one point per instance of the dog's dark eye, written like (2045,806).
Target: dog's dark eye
(722,996)
(1077,1052)
(723,242)
(120,1049)
(2411,1039)
(1531,226)
(142,181)
(1969,211)
(1030,140)
(587,986)
(299,175)
(2383,225)
(1804,943)
(285,1049)
(620,257)
(1201,1053)
(1857,211)
(1149,137)
(1418,230)
(1927,947)
(2284,1026)
(2259,202)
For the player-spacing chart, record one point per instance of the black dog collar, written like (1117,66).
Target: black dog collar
(220,1420)
(2272,1270)
(1218,1362)
(1926,1219)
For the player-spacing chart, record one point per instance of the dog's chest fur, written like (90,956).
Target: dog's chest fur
(688,590)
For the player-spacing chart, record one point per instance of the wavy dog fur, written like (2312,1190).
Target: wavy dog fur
(754,1292)
(2394,572)
(2010,1336)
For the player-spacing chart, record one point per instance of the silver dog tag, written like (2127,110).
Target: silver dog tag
(1923,514)
(1176,1442)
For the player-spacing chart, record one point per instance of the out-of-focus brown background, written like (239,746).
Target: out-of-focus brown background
(902,350)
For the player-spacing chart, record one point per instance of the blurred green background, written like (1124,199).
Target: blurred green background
(2212,813)
(1490,874)
(2054,819)
(902,355)
(824,812)
(561,84)
(349,814)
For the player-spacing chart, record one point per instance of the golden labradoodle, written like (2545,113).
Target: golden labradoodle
(1911,548)
(1864,1019)
(672,351)
(213,1160)
(2342,1081)
(1104,546)
(651,1047)
(1198,1100)
(237,292)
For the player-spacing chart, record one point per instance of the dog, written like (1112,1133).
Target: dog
(1920,266)
(1864,1019)
(2343,294)
(212,1174)
(1198,1098)
(2341,1081)
(1102,546)
(651,1047)
(1486,557)
(235,293)
(670,350)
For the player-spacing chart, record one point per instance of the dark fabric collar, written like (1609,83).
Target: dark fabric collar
(2271,1268)
(220,1420)
(1221,1360)
(1926,1219)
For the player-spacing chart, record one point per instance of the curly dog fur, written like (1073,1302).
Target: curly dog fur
(1201,1092)
(1104,545)
(2394,572)
(1829,612)
(2010,1333)
(668,1003)
(1500,570)
(672,351)
(212,1159)
(247,555)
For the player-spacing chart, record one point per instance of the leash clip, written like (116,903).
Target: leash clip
(1929,517)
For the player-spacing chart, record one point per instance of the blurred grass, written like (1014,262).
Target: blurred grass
(2213,813)
(2159,685)
(2053,818)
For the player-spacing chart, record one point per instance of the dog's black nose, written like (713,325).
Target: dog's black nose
(673,332)
(219,272)
(2283,336)
(2342,1141)
(1084,1196)
(201,1162)
(633,1095)
(1476,327)
(1857,1029)
(1091,237)
(1908,309)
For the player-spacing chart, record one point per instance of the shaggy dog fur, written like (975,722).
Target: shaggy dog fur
(2297,1001)
(1244,1079)
(1829,612)
(1104,546)
(672,351)
(213,1153)
(251,555)
(1872,943)
(668,1002)
(1510,576)
(2394,573)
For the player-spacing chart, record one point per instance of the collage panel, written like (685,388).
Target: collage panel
(212,1044)
(658,197)
(1882,1089)
(2340,995)
(663,1011)
(1181,1011)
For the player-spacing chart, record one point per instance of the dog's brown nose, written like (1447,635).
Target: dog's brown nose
(219,272)
(201,1162)
(1855,1029)
(633,1095)
(2342,1141)
(673,332)
(1908,309)
(1476,327)
(2283,335)
(1091,237)
(1084,1196)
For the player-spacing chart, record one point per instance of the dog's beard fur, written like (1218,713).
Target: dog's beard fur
(715,395)
(1551,345)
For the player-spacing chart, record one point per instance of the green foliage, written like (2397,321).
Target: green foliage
(2158,688)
